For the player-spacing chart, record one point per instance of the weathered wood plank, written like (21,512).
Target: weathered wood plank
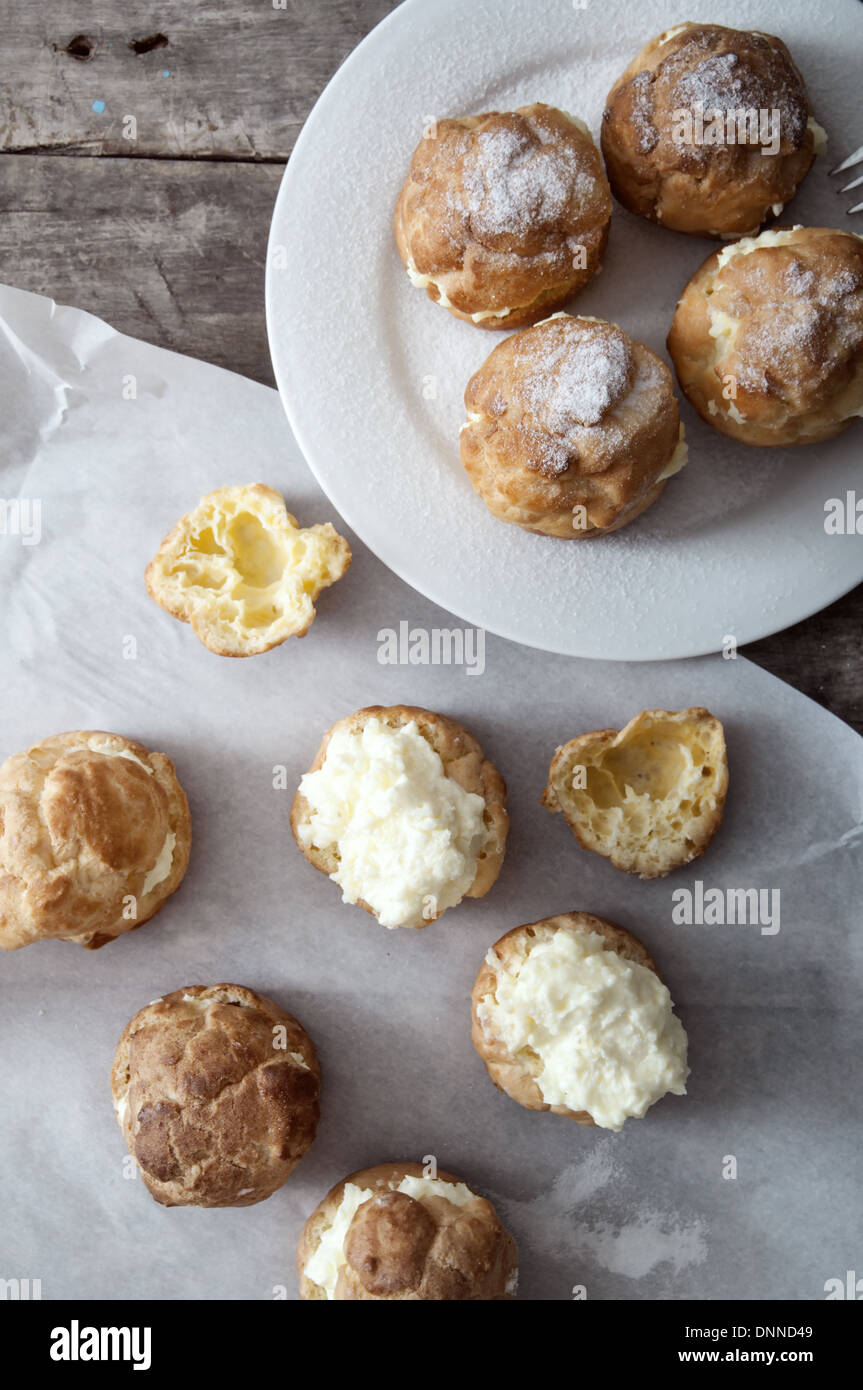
(243,74)
(169,251)
(822,656)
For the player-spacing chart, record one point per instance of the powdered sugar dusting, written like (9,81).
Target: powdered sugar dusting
(545,454)
(724,82)
(813,325)
(642,112)
(580,1211)
(716,83)
(575,373)
(652,1238)
(578,379)
(513,184)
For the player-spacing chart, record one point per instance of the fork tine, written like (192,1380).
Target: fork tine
(855,183)
(854,158)
(858,207)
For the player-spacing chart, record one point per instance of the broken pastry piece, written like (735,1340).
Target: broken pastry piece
(393,1233)
(649,797)
(243,572)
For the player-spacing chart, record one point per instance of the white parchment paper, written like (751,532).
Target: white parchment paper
(116,439)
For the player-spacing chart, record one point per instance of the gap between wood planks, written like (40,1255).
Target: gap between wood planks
(89,149)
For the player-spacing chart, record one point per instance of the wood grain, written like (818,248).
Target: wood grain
(169,251)
(243,74)
(160,225)
(822,656)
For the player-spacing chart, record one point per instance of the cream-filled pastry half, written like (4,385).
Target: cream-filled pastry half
(243,572)
(95,834)
(572,428)
(392,1232)
(767,339)
(403,812)
(504,216)
(650,796)
(570,1015)
(217,1092)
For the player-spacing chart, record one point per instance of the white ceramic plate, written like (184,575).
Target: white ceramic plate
(372,374)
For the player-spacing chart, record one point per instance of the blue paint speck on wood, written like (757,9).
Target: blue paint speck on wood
(98,107)
(167,72)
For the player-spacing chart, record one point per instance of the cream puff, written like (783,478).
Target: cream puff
(392,1232)
(217,1092)
(767,339)
(709,130)
(95,834)
(401,809)
(243,572)
(650,797)
(572,428)
(504,217)
(570,1015)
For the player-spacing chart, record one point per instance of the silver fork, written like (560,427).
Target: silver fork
(855,158)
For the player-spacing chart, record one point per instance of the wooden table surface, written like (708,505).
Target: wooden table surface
(146,144)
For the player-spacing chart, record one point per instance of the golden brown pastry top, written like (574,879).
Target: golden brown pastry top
(711,189)
(399,1247)
(499,210)
(94,835)
(217,1094)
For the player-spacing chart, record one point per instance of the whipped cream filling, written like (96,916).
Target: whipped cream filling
(472,417)
(407,837)
(162,867)
(670,34)
(722,329)
(602,1028)
(562,314)
(678,457)
(819,135)
(422,282)
(747,244)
